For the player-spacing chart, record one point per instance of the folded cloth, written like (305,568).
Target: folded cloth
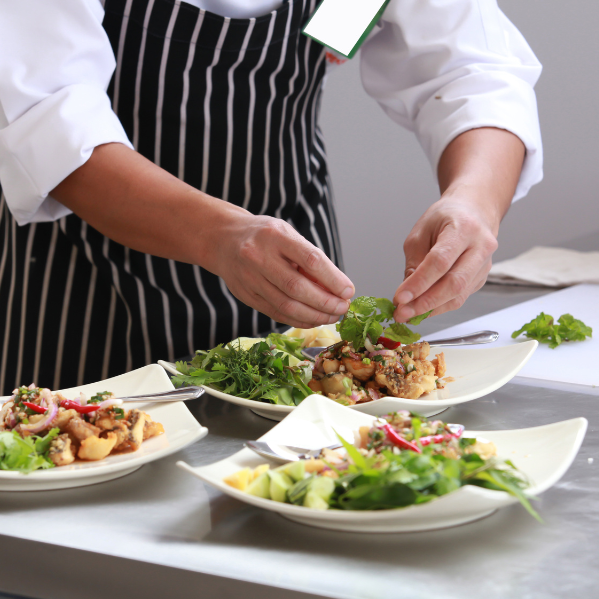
(547,267)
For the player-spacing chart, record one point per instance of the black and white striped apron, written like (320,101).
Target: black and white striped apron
(231,107)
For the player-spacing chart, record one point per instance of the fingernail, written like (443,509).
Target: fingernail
(348,293)
(342,308)
(333,319)
(405,297)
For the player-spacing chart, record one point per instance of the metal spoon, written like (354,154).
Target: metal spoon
(286,453)
(472,339)
(182,394)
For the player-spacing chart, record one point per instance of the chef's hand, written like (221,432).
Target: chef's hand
(264,261)
(448,252)
(269,266)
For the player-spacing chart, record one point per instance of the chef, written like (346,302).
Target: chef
(165,184)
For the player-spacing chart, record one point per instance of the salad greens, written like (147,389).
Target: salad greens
(543,329)
(410,478)
(364,320)
(385,474)
(25,454)
(259,372)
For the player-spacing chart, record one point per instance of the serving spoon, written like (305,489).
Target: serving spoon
(182,394)
(473,339)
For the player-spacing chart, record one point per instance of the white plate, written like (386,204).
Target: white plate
(542,453)
(180,430)
(477,372)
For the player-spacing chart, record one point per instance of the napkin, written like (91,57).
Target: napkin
(547,267)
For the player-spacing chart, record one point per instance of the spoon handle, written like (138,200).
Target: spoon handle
(182,394)
(472,339)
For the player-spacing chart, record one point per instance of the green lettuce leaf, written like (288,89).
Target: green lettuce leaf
(20,454)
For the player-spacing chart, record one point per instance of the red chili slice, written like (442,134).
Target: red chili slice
(34,407)
(69,404)
(388,343)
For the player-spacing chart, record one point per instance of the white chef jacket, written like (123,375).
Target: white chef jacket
(438,68)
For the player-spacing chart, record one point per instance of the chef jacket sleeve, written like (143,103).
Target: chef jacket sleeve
(55,65)
(442,68)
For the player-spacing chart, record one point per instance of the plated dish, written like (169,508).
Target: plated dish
(180,429)
(475,372)
(543,454)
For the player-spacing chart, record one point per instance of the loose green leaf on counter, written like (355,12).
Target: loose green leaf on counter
(544,330)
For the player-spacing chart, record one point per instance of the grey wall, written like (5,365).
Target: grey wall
(383,182)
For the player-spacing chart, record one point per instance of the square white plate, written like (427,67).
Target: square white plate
(477,371)
(543,454)
(180,430)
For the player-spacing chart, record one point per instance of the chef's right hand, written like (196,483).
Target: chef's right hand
(269,266)
(264,261)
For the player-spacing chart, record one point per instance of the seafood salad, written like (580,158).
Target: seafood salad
(42,429)
(401,459)
(386,369)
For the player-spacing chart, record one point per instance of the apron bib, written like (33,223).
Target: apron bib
(230,106)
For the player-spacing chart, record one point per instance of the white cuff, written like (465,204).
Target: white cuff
(484,99)
(47,143)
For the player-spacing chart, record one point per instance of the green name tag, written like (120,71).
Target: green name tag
(343,25)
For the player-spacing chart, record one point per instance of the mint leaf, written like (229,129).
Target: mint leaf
(385,307)
(416,320)
(400,332)
(364,305)
(364,318)
(544,330)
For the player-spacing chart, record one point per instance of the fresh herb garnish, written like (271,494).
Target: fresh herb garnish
(543,329)
(364,320)
(100,397)
(119,413)
(260,372)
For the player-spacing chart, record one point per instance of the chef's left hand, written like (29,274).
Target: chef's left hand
(448,252)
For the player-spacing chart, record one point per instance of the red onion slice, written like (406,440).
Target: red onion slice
(109,402)
(43,423)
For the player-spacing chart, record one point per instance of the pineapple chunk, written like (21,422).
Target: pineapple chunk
(239,480)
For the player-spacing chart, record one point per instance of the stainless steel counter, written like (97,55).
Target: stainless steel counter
(159,532)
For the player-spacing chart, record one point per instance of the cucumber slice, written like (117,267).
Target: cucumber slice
(260,487)
(315,501)
(295,470)
(323,486)
(279,485)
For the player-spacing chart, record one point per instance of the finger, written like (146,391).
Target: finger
(436,263)
(319,269)
(459,282)
(295,285)
(408,272)
(458,302)
(272,302)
